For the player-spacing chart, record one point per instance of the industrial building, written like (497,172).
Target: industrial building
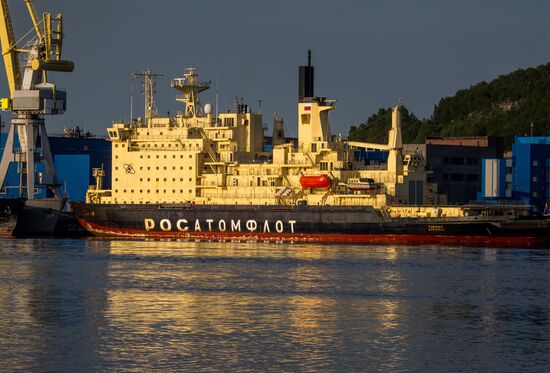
(455,163)
(524,176)
(74,158)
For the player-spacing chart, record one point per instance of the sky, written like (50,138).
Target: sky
(366,53)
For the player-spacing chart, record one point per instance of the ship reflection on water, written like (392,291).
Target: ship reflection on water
(144,305)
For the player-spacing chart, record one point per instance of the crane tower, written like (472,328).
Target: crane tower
(31,97)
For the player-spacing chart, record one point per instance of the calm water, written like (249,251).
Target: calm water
(97,305)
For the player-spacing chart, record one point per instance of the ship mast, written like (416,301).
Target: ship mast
(191,87)
(149,84)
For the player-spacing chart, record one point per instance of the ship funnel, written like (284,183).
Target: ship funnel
(305,80)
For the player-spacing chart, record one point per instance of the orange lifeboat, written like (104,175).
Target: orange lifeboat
(318,182)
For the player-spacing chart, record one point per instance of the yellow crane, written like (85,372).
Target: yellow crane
(31,96)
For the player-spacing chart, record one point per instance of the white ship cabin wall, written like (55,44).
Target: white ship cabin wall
(154,164)
(314,125)
(175,160)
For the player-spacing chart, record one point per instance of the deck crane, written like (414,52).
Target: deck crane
(32,96)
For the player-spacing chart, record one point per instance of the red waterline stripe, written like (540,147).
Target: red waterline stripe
(399,239)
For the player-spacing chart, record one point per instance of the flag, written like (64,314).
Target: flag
(307,108)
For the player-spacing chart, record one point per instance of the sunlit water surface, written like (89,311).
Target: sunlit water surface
(96,305)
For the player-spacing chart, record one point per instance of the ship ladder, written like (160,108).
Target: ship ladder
(298,195)
(327,194)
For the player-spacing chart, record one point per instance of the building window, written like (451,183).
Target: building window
(457,177)
(472,177)
(457,160)
(306,118)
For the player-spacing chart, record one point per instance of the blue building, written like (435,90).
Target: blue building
(531,170)
(524,177)
(74,158)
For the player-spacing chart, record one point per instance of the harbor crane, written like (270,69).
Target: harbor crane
(27,62)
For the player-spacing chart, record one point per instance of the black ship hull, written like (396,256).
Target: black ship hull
(37,218)
(329,224)
(10,208)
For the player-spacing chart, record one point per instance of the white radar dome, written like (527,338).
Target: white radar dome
(208,109)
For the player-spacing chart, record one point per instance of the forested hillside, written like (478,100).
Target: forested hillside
(504,107)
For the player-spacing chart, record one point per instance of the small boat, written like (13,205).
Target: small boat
(362,184)
(317,182)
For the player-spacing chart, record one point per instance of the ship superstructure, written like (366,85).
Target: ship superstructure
(200,158)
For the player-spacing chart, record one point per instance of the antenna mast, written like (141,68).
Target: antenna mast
(149,84)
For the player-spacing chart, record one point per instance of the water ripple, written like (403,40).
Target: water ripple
(103,305)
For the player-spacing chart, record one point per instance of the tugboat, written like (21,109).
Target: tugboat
(202,176)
